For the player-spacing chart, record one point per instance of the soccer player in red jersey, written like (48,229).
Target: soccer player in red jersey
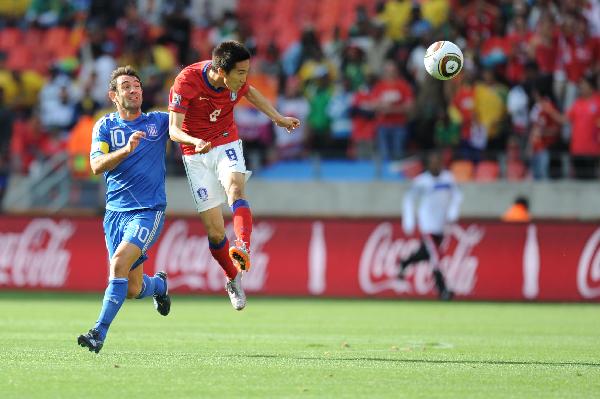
(201,105)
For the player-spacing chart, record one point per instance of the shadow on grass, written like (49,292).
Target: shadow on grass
(426,361)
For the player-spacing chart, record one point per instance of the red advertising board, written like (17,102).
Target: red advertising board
(336,258)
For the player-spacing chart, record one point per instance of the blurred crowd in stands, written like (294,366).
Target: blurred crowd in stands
(526,104)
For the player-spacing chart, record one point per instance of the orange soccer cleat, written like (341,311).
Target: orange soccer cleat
(240,256)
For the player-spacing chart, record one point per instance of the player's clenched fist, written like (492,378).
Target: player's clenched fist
(288,123)
(134,140)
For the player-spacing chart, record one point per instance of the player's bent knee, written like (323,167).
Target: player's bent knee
(123,258)
(215,233)
(119,268)
(235,193)
(216,236)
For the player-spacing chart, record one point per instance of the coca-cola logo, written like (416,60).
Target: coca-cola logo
(36,257)
(378,268)
(588,270)
(187,258)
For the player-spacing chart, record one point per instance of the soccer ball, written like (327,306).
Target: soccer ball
(443,60)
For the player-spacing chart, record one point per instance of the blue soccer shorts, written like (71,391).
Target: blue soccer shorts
(140,227)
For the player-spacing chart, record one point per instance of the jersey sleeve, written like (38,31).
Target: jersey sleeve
(165,120)
(164,124)
(182,91)
(100,139)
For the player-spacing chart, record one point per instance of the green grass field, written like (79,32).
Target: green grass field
(299,348)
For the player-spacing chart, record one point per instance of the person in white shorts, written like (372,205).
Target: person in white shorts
(201,104)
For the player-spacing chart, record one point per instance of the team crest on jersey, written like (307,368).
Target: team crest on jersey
(233,96)
(202,193)
(152,130)
(176,99)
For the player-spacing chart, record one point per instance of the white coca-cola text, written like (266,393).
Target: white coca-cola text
(588,269)
(378,267)
(36,257)
(187,258)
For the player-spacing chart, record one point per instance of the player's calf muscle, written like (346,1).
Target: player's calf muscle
(133,291)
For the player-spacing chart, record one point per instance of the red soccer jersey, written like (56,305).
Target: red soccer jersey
(464,101)
(546,52)
(393,92)
(578,57)
(549,128)
(208,110)
(363,127)
(584,115)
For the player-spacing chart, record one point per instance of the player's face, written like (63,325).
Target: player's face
(235,79)
(129,93)
(435,164)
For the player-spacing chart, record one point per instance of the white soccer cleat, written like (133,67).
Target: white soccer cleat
(236,292)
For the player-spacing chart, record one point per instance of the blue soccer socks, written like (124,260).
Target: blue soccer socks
(152,286)
(114,296)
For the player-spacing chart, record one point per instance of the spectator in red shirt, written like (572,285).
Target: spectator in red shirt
(543,47)
(584,116)
(462,110)
(363,121)
(545,122)
(31,143)
(577,52)
(496,49)
(518,36)
(478,20)
(393,97)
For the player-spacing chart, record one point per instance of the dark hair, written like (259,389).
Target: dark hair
(522,200)
(120,71)
(227,54)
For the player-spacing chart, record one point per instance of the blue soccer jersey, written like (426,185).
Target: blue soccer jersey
(138,182)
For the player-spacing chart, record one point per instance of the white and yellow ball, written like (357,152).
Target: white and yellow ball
(443,60)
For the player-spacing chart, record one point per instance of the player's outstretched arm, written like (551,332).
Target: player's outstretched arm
(179,136)
(262,104)
(111,160)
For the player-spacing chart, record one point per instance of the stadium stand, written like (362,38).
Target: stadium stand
(333,52)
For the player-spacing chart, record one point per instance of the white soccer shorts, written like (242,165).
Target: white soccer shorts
(208,173)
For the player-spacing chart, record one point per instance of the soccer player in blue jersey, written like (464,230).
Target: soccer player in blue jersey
(128,146)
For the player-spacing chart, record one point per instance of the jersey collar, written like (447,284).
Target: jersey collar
(136,120)
(205,76)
